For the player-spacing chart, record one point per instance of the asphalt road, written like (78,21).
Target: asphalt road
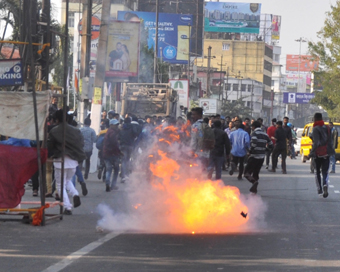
(299,232)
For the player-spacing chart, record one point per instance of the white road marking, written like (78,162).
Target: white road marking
(81,252)
(331,186)
(337,192)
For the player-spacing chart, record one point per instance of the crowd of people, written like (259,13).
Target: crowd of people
(217,143)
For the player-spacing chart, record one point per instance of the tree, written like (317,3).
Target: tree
(236,108)
(327,51)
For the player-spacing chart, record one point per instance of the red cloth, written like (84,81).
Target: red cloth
(318,123)
(17,165)
(271,133)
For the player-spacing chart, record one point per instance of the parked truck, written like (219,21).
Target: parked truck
(144,99)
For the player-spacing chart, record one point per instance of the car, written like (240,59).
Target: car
(297,145)
(306,141)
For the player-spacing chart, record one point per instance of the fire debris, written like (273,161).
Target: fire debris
(244,214)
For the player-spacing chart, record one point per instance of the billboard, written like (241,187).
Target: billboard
(210,106)
(232,17)
(11,72)
(122,49)
(297,98)
(307,63)
(276,27)
(182,88)
(173,33)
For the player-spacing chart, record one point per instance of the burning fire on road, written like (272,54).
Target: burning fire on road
(169,193)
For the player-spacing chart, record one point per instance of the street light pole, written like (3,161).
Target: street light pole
(156,45)
(300,40)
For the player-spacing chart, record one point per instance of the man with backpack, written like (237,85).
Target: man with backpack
(321,150)
(240,143)
(202,137)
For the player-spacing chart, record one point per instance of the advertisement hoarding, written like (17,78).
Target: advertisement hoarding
(307,63)
(173,33)
(297,98)
(122,49)
(11,72)
(232,17)
(182,88)
(276,27)
(210,106)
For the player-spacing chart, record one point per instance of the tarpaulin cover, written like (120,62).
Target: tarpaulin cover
(17,114)
(17,165)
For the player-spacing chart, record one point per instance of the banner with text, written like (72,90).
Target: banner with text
(276,27)
(173,33)
(182,88)
(297,98)
(122,49)
(232,17)
(302,63)
(11,72)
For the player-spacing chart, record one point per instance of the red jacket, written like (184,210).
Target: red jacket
(271,133)
(111,145)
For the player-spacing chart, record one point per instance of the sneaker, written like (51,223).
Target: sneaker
(67,212)
(325,191)
(272,170)
(115,188)
(108,189)
(332,172)
(83,188)
(231,172)
(99,175)
(239,178)
(30,183)
(320,192)
(76,201)
(253,188)
(35,192)
(57,197)
(267,166)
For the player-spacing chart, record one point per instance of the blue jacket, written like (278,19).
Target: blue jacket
(240,142)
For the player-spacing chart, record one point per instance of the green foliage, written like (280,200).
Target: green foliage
(236,107)
(327,50)
(14,8)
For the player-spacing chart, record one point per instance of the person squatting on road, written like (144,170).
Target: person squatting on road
(322,149)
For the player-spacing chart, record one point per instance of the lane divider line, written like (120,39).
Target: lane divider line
(80,253)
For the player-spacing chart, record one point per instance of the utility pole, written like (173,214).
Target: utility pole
(208,73)
(156,45)
(300,40)
(86,39)
(46,18)
(220,87)
(252,96)
(226,88)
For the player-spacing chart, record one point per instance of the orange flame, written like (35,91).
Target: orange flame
(200,205)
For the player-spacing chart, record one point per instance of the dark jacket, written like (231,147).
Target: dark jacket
(74,142)
(321,137)
(259,143)
(288,132)
(222,143)
(128,134)
(111,145)
(280,136)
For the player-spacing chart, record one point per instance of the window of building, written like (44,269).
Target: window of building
(248,103)
(243,87)
(225,46)
(235,87)
(71,19)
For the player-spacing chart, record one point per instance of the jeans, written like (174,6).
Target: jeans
(235,161)
(253,168)
(87,164)
(215,162)
(293,151)
(112,163)
(79,175)
(332,162)
(321,165)
(268,153)
(127,151)
(275,156)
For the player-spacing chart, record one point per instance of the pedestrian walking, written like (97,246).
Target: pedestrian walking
(259,143)
(322,149)
(271,134)
(280,148)
(240,142)
(334,133)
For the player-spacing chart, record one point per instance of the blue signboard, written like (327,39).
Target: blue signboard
(297,98)
(11,72)
(232,17)
(173,33)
